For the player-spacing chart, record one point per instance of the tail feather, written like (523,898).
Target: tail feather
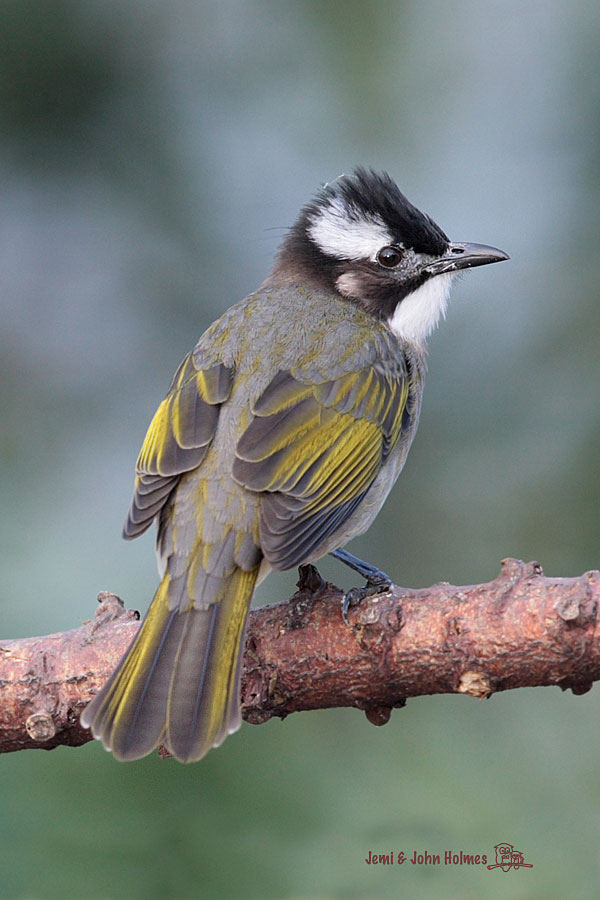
(204,701)
(128,713)
(178,683)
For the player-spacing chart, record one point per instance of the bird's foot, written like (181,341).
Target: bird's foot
(354,596)
(377,581)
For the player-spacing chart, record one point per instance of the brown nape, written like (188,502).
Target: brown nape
(300,261)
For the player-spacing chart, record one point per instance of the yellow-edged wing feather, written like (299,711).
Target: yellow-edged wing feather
(177,439)
(315,450)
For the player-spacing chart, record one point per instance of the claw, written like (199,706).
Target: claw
(348,601)
(377,581)
(375,585)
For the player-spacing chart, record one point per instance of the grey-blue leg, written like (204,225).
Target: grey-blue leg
(377,581)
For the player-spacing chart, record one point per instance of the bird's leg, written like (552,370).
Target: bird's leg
(377,581)
(371,573)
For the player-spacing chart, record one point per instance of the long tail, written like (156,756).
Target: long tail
(179,682)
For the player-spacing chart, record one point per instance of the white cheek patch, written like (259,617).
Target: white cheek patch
(336,234)
(416,316)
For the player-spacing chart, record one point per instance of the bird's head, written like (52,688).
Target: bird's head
(361,238)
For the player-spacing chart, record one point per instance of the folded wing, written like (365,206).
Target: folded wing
(177,439)
(315,450)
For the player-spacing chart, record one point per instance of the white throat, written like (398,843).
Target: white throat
(416,316)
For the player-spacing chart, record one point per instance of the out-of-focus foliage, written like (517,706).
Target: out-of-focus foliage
(150,155)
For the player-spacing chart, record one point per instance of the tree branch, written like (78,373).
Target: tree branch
(520,630)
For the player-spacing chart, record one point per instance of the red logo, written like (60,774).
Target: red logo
(508,858)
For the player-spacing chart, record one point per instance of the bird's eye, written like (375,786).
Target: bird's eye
(389,257)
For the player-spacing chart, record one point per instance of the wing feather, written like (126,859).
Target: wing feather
(177,439)
(315,450)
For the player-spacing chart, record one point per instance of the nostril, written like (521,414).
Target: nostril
(458,249)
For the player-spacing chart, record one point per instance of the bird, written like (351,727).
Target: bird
(279,439)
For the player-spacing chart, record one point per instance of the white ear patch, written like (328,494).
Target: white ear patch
(416,316)
(337,234)
(348,285)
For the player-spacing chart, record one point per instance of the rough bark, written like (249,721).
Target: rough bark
(520,630)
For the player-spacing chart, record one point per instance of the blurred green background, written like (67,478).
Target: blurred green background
(150,155)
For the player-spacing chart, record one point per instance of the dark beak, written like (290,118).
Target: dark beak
(465,256)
